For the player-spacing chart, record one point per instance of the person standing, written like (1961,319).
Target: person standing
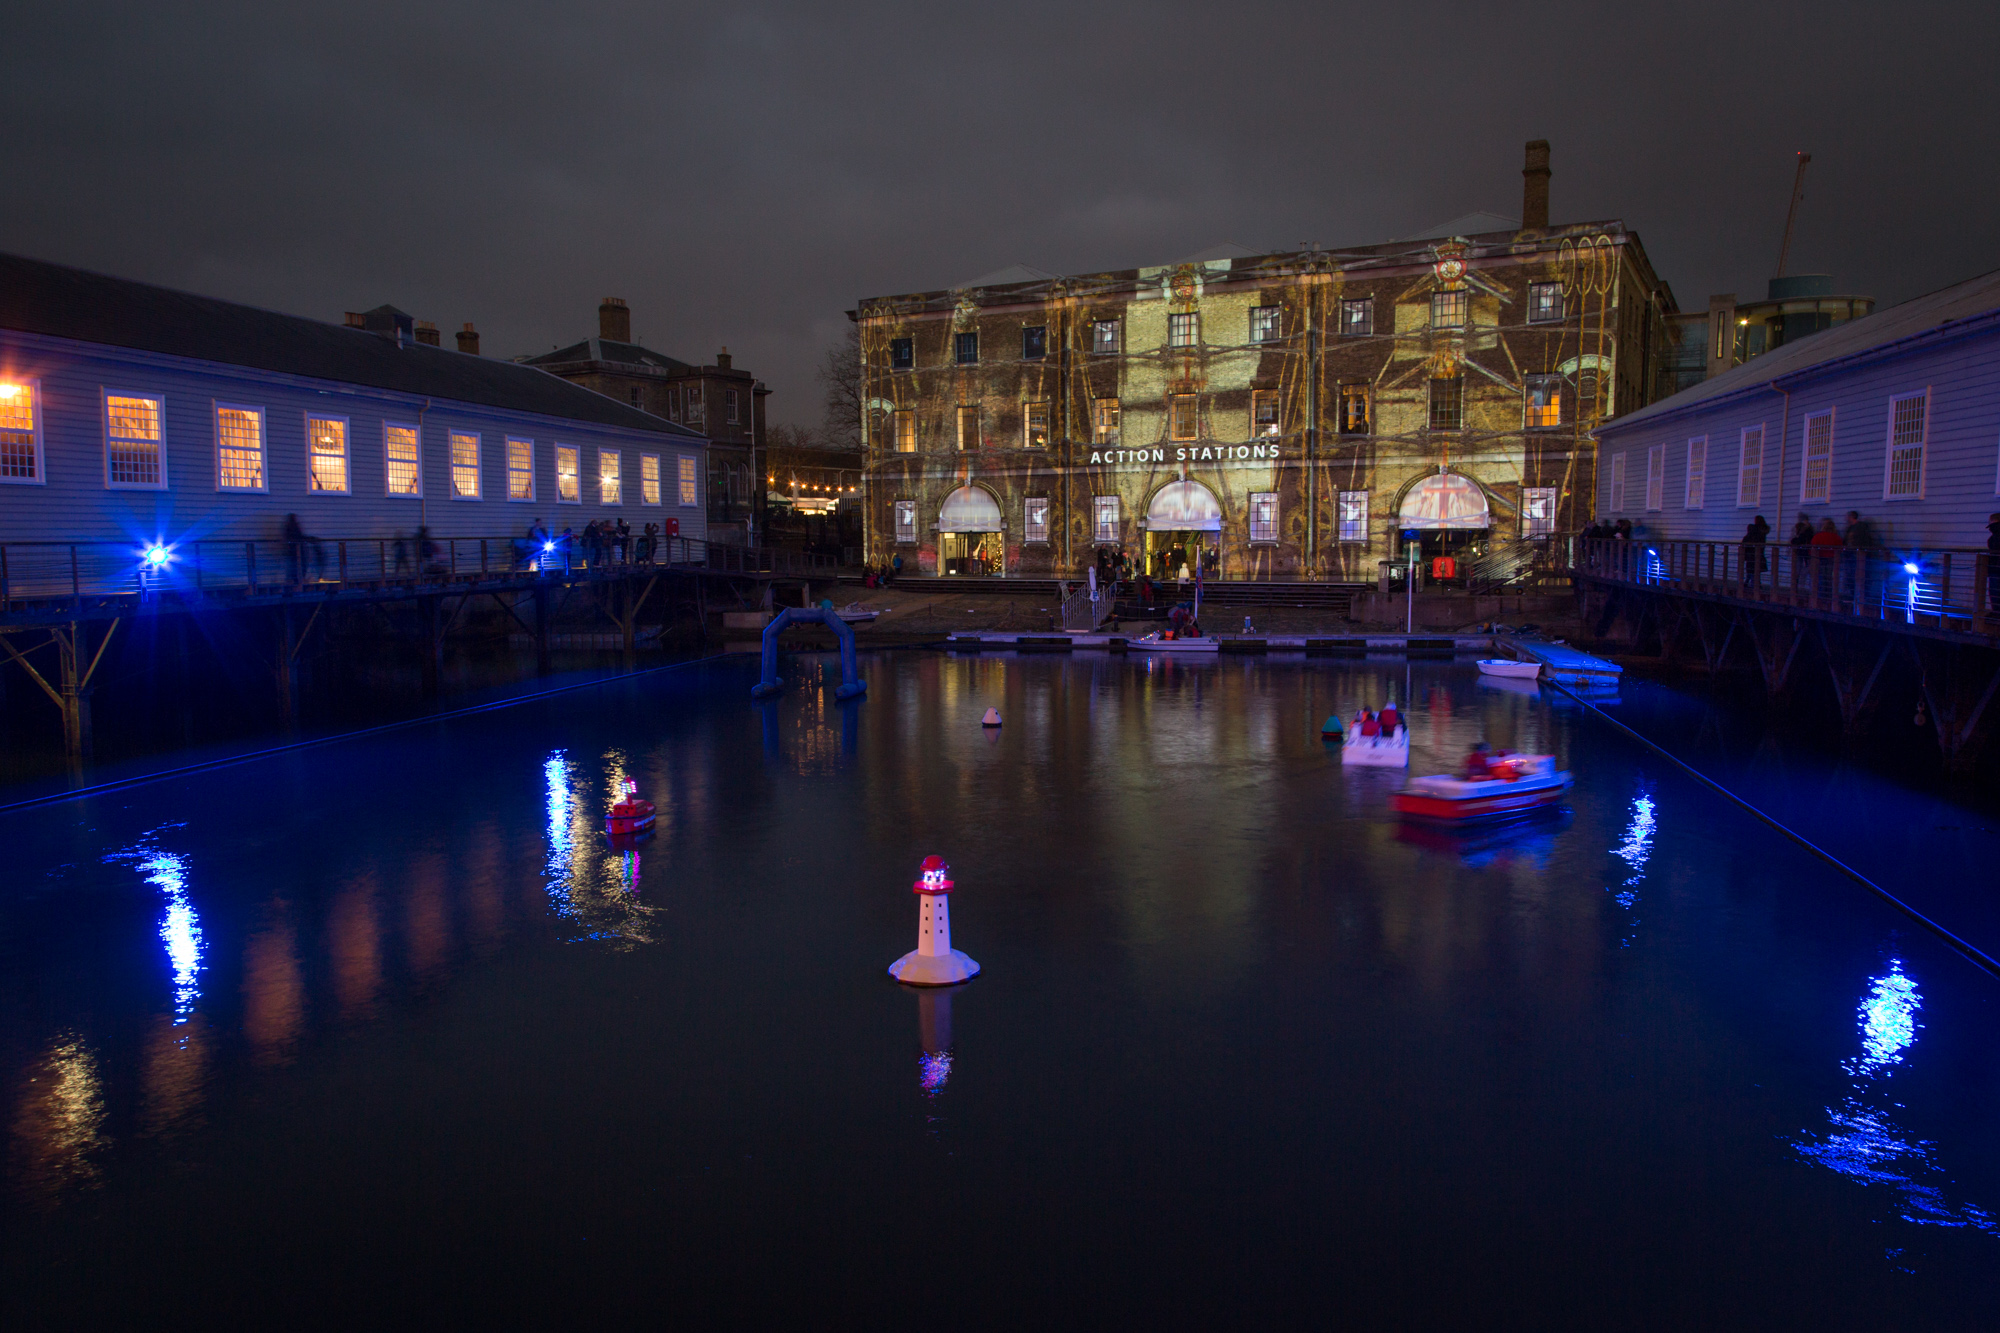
(1750,571)
(1859,539)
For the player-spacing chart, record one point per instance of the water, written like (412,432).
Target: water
(384,1031)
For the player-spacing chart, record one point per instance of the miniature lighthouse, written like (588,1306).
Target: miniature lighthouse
(933,962)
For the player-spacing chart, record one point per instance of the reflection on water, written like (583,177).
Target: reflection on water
(180,925)
(59,1126)
(1635,851)
(934,1025)
(590,883)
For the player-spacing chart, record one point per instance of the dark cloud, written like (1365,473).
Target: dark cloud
(743,173)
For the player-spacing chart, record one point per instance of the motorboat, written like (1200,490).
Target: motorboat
(854,613)
(1508,667)
(1515,784)
(632,817)
(1167,643)
(1378,751)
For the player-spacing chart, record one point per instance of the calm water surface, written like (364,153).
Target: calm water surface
(384,1030)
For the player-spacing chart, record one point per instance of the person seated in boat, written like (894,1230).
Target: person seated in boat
(1390,720)
(1370,726)
(1479,763)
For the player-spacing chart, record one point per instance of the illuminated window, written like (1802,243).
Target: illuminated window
(401,458)
(1263,516)
(20,433)
(1750,468)
(1106,335)
(730,410)
(902,353)
(1104,511)
(1183,330)
(1818,481)
(1104,420)
(965,348)
(239,448)
(697,406)
(464,465)
(906,521)
(569,478)
(610,477)
(968,427)
(1264,412)
(1264,324)
(1909,422)
(1545,302)
(1448,402)
(1035,519)
(132,442)
(1357,318)
(689,498)
(1184,416)
(1538,511)
(1656,478)
(326,455)
(520,469)
(1034,342)
(1617,483)
(1697,478)
(1353,409)
(1353,516)
(1544,403)
(1035,425)
(906,431)
(1448,309)
(649,479)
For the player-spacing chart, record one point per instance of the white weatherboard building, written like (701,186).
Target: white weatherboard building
(1895,416)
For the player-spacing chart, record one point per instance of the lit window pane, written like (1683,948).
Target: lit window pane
(465,465)
(610,477)
(399,446)
(239,440)
(133,446)
(520,469)
(649,478)
(689,495)
(569,484)
(326,447)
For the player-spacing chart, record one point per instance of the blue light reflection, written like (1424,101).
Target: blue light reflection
(180,927)
(1635,851)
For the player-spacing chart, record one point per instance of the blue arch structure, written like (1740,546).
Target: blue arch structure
(851,684)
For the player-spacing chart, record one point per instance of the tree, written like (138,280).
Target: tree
(840,373)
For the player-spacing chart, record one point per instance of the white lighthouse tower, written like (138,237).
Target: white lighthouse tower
(933,962)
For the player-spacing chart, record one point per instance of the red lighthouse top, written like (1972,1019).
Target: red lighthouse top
(931,877)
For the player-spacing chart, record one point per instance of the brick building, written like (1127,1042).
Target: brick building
(1286,414)
(724,404)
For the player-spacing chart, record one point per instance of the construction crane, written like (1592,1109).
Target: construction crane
(1792,217)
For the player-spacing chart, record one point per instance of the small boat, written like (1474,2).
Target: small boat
(632,817)
(1507,666)
(1519,783)
(854,613)
(1378,751)
(1160,643)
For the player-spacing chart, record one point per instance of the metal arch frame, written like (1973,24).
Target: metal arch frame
(851,684)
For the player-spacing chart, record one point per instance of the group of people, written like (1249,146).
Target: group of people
(602,542)
(873,577)
(1383,724)
(1602,531)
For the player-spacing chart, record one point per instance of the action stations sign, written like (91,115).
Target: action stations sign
(1190,453)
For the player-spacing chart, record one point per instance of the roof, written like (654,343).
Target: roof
(604,349)
(57,301)
(1934,313)
(1011,274)
(1222,250)
(1469,224)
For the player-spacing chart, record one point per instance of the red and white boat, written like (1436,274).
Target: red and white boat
(1516,784)
(632,817)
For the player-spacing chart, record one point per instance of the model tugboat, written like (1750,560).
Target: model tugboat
(632,817)
(1490,786)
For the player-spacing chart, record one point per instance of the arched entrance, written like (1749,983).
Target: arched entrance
(1450,515)
(1183,527)
(969,534)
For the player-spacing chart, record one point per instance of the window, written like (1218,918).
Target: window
(1448,309)
(633,394)
(520,469)
(968,427)
(1816,483)
(464,466)
(1697,480)
(906,431)
(610,477)
(649,479)
(1105,335)
(1264,412)
(906,520)
(965,348)
(1035,425)
(132,442)
(1104,516)
(1538,511)
(902,353)
(1183,330)
(1448,403)
(730,411)
(1909,423)
(402,460)
(1263,516)
(1617,483)
(673,404)
(326,455)
(1184,411)
(569,482)
(1264,324)
(1104,420)
(1750,468)
(1656,478)
(20,433)
(1545,302)
(697,407)
(1034,342)
(1353,516)
(1357,318)
(690,496)
(1353,409)
(1035,519)
(1545,403)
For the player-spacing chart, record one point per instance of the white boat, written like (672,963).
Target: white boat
(854,613)
(1376,751)
(1507,666)
(1153,643)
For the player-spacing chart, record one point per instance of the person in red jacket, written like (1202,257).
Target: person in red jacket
(1478,763)
(1390,720)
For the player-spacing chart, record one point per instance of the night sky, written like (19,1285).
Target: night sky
(743,173)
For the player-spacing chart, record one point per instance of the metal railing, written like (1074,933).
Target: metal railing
(1953,589)
(1083,611)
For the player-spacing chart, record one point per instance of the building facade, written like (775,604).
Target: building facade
(1895,417)
(133,413)
(1276,415)
(719,402)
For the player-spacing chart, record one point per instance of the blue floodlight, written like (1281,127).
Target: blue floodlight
(156,555)
(548,546)
(1909,568)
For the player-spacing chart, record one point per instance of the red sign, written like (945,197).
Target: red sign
(1444,567)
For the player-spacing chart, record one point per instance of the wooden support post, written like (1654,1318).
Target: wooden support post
(543,664)
(1958,683)
(288,668)
(432,635)
(1854,694)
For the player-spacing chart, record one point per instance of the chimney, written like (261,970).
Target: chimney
(614,321)
(722,359)
(427,333)
(356,320)
(1535,187)
(468,340)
